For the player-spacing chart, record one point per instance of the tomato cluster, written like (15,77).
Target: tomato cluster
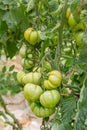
(26,57)
(78,27)
(42,97)
(32,36)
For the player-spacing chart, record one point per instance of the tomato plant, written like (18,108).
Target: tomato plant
(51,39)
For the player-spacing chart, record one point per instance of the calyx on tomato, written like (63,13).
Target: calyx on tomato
(32,77)
(32,92)
(50,98)
(41,111)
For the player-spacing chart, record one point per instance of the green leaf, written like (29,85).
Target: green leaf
(11,68)
(68,108)
(81,109)
(62,126)
(31,5)
(4,69)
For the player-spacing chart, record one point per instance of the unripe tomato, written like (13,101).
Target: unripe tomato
(32,92)
(48,85)
(41,111)
(71,21)
(47,66)
(68,12)
(50,98)
(27,33)
(79,38)
(32,77)
(27,64)
(20,76)
(33,37)
(55,77)
(22,51)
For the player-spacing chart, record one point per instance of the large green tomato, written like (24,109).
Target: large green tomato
(54,80)
(41,111)
(50,98)
(79,38)
(20,76)
(48,85)
(32,92)
(22,51)
(32,77)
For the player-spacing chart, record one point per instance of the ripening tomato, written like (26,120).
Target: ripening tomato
(41,111)
(32,77)
(27,33)
(71,21)
(32,92)
(32,36)
(50,98)
(68,12)
(20,76)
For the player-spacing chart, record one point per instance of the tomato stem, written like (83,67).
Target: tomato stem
(60,36)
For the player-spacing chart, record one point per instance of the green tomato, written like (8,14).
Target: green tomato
(50,98)
(33,37)
(27,33)
(55,77)
(79,38)
(32,77)
(41,111)
(47,66)
(22,51)
(27,64)
(32,92)
(68,12)
(20,76)
(71,21)
(48,85)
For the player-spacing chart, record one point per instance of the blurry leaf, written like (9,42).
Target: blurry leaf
(81,109)
(11,68)
(62,126)
(4,69)
(31,5)
(11,48)
(68,108)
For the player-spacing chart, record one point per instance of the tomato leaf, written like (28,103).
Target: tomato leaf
(81,109)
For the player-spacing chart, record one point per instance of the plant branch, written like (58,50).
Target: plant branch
(16,125)
(60,36)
